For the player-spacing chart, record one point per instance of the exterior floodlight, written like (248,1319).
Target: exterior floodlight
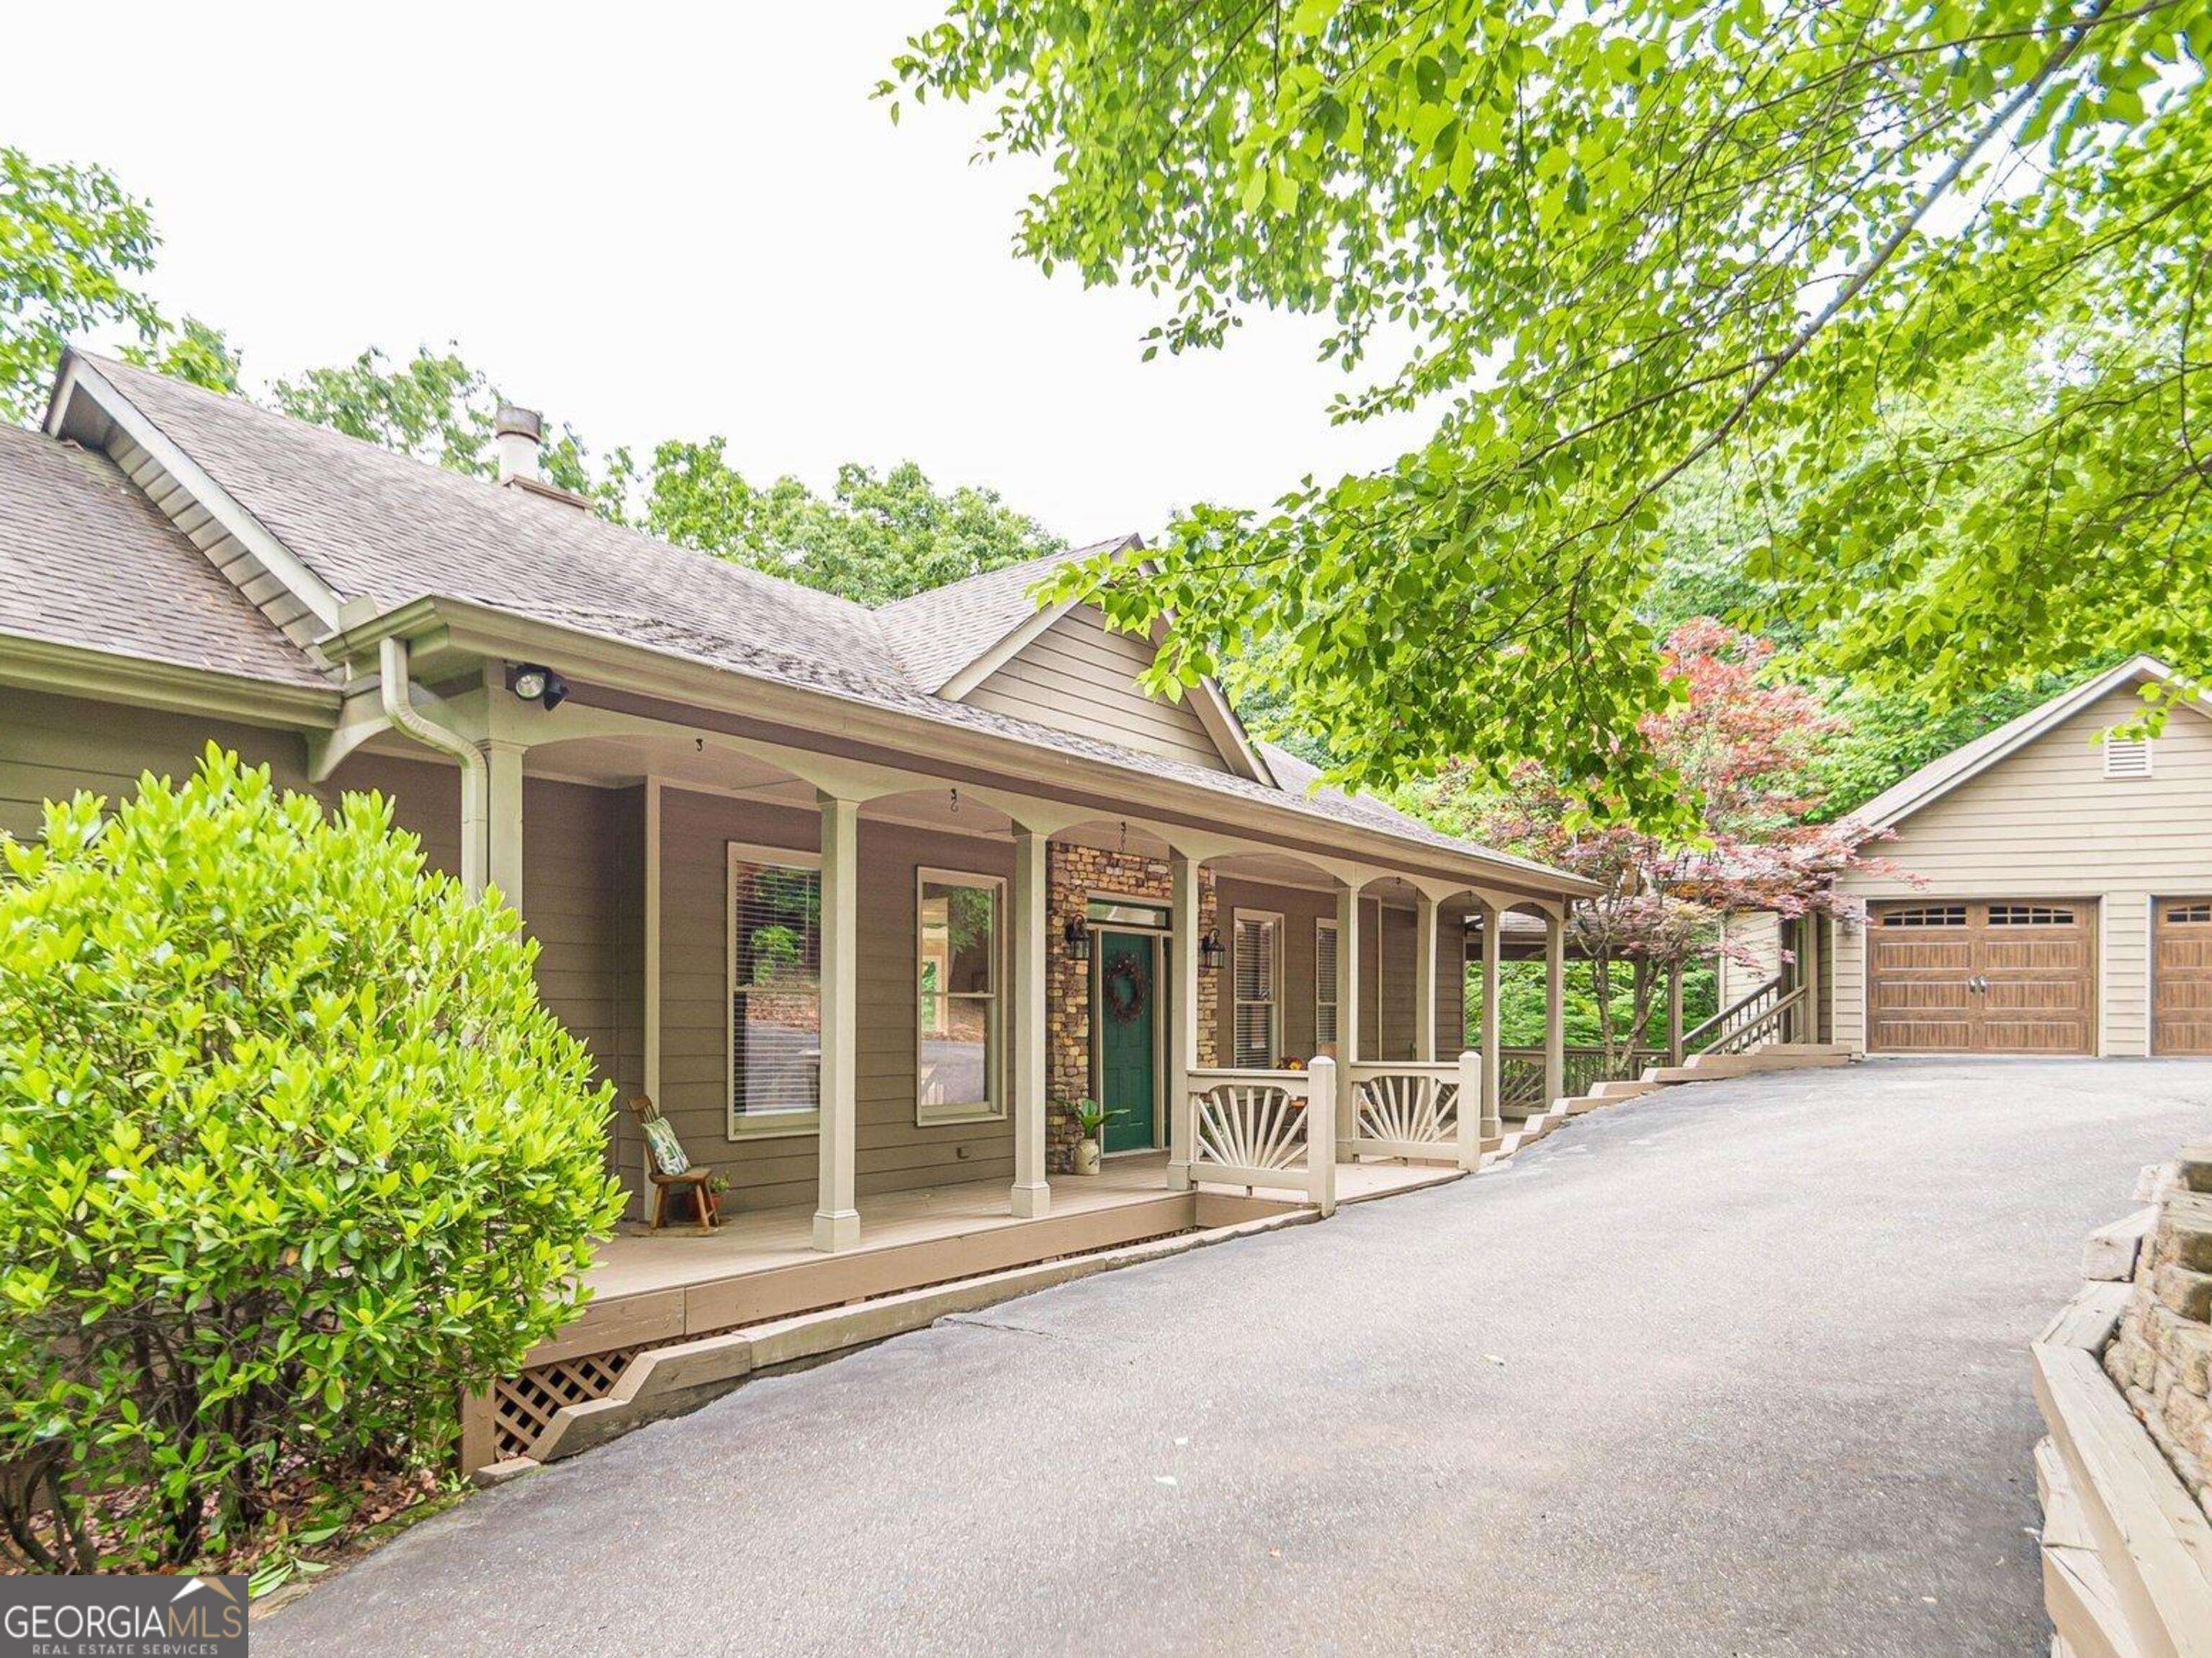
(535,683)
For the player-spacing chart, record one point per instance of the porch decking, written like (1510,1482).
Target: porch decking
(653,1287)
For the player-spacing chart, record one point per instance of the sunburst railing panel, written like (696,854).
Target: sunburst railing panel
(1273,1129)
(1412,1109)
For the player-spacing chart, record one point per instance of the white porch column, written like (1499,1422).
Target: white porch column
(1182,1016)
(836,1219)
(1555,1008)
(1321,1151)
(1493,952)
(1471,1125)
(1348,1015)
(503,832)
(1424,977)
(1032,1196)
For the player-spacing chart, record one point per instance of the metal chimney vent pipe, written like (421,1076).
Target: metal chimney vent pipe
(519,439)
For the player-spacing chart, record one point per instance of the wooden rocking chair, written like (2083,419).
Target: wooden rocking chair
(666,1165)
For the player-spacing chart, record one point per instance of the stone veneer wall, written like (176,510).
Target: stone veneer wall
(1074,875)
(2161,1357)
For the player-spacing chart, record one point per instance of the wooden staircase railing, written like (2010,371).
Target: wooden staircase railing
(1768,1013)
(1522,1073)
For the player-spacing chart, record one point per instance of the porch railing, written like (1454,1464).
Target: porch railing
(1416,1109)
(1521,1072)
(1769,1014)
(1267,1128)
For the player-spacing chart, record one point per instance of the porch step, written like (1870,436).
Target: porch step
(1793,1059)
(1719,1064)
(1624,1088)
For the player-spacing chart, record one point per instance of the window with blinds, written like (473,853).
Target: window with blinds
(956,978)
(1325,985)
(1256,973)
(775,990)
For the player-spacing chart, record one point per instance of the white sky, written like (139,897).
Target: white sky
(659,221)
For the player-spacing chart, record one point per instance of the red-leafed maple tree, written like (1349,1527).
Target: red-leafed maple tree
(1740,745)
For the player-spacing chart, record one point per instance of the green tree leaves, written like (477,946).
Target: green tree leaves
(72,248)
(433,407)
(875,538)
(1606,248)
(290,1152)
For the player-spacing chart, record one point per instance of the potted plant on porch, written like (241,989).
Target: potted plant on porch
(1090,1118)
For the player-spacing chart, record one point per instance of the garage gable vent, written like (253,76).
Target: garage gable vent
(2126,757)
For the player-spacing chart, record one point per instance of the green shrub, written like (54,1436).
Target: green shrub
(290,1152)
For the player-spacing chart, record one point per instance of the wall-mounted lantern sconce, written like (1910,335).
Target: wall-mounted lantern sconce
(1077,937)
(536,683)
(1210,952)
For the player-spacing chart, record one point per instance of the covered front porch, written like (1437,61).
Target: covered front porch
(854,982)
(868,998)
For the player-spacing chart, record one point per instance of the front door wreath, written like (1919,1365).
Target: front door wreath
(1127,986)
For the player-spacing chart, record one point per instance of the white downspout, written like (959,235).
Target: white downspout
(476,771)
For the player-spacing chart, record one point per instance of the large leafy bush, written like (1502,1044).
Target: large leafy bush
(290,1152)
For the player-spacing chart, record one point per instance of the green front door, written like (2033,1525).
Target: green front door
(1127,1052)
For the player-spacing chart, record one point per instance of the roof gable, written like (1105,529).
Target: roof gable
(1939,776)
(943,633)
(87,562)
(1077,674)
(977,641)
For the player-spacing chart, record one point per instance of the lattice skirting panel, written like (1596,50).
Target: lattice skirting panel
(523,1405)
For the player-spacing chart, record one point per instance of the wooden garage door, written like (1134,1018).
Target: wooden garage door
(2015,975)
(2181,976)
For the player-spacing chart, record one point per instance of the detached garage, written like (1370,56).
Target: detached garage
(2064,904)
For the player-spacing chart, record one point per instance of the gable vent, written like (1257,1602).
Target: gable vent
(2127,757)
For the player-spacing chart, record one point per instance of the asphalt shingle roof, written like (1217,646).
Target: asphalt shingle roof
(86,559)
(371,523)
(938,633)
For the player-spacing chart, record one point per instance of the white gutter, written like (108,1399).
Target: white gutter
(476,771)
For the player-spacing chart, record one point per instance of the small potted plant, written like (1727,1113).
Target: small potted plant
(1090,1118)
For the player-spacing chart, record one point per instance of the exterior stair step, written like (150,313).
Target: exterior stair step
(1719,1064)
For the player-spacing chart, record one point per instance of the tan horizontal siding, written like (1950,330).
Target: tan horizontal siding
(1300,909)
(1451,980)
(1759,933)
(1079,676)
(1847,1005)
(52,747)
(2124,972)
(891,1152)
(1388,1005)
(581,896)
(2047,822)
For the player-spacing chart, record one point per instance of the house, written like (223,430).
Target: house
(2052,892)
(861,898)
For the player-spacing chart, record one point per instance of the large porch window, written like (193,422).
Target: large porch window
(775,990)
(959,1073)
(1256,971)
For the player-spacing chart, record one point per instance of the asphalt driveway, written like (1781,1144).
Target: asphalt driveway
(1736,1369)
